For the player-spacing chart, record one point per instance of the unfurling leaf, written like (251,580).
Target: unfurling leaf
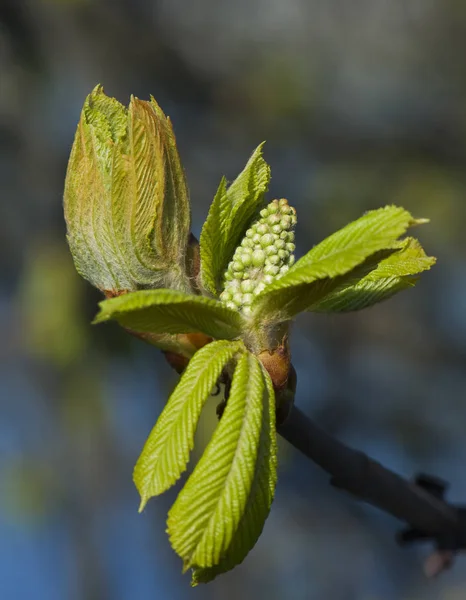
(166,452)
(229,216)
(126,200)
(221,510)
(168,311)
(343,258)
(259,500)
(397,272)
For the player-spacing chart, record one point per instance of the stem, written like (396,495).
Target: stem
(419,504)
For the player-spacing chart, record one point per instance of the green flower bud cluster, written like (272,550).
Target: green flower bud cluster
(265,254)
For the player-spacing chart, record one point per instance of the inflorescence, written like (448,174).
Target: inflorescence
(264,255)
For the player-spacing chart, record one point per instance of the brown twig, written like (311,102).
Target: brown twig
(419,503)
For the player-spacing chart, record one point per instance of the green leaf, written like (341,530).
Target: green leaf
(259,500)
(166,451)
(344,257)
(168,311)
(172,227)
(126,200)
(392,275)
(229,216)
(220,512)
(101,128)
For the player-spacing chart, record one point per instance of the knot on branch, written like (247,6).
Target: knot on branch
(448,542)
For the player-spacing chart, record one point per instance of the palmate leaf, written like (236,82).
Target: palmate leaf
(168,311)
(259,501)
(166,451)
(392,275)
(220,512)
(229,216)
(342,258)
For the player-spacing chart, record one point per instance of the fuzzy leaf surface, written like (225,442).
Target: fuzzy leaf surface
(91,169)
(167,449)
(126,200)
(259,500)
(220,512)
(229,216)
(397,272)
(341,259)
(168,311)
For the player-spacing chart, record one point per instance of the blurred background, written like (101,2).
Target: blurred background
(362,103)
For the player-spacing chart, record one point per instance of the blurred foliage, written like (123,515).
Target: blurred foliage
(50,295)
(30,491)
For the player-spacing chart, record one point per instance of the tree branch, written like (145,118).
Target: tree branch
(418,503)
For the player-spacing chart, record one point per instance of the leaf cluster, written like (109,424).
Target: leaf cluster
(127,230)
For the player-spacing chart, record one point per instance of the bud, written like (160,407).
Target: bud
(126,200)
(277,363)
(264,255)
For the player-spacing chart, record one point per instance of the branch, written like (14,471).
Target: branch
(418,503)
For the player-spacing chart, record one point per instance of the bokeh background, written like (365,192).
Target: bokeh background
(362,103)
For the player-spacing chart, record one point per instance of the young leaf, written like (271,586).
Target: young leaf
(348,254)
(88,192)
(395,273)
(222,508)
(259,500)
(152,218)
(126,200)
(168,311)
(212,240)
(229,216)
(166,451)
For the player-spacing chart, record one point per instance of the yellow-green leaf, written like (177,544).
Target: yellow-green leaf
(220,512)
(342,258)
(126,201)
(166,451)
(259,500)
(397,272)
(229,216)
(168,311)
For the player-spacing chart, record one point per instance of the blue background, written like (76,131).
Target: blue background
(362,103)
